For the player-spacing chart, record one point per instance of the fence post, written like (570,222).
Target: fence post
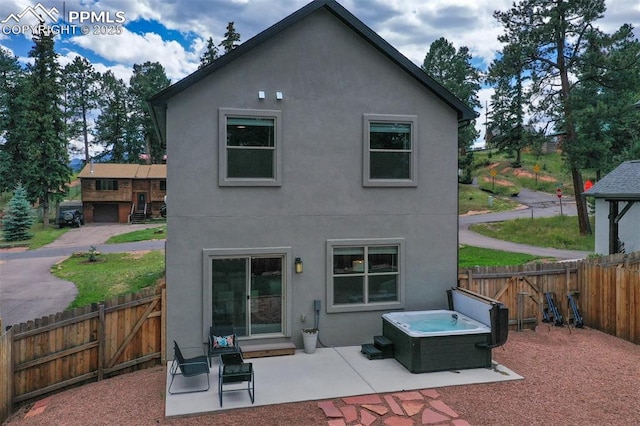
(6,386)
(163,327)
(101,341)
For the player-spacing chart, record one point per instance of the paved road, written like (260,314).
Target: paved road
(534,204)
(27,288)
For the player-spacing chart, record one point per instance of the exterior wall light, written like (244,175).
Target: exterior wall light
(298,264)
(261,94)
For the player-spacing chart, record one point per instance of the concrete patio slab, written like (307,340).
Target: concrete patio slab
(328,373)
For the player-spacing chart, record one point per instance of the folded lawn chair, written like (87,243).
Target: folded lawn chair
(233,369)
(188,367)
(222,340)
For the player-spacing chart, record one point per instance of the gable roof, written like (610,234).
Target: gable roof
(623,183)
(123,171)
(158,103)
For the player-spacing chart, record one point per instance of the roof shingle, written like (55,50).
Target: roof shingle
(621,183)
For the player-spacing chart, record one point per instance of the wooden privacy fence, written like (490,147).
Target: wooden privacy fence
(607,291)
(85,344)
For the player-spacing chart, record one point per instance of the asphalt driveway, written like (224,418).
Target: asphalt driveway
(28,290)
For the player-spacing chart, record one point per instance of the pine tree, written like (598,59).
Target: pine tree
(453,70)
(18,218)
(209,55)
(114,128)
(231,38)
(13,154)
(81,84)
(507,75)
(48,170)
(147,80)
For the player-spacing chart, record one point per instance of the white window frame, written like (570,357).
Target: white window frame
(223,180)
(412,120)
(368,242)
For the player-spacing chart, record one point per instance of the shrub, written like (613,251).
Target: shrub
(18,217)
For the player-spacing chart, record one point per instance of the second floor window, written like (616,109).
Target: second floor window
(106,185)
(250,147)
(390,154)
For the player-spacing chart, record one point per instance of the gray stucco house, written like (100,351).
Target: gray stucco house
(617,198)
(314,162)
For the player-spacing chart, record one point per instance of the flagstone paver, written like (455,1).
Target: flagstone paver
(366,418)
(412,407)
(378,409)
(393,405)
(330,410)
(363,399)
(407,396)
(444,408)
(38,407)
(431,393)
(430,417)
(407,408)
(398,421)
(350,413)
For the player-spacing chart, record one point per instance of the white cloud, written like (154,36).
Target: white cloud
(130,48)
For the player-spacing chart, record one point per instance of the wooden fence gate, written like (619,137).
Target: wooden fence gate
(87,344)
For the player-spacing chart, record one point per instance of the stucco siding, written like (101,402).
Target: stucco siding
(330,77)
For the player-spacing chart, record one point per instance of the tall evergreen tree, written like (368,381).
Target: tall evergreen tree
(553,35)
(209,55)
(507,123)
(81,84)
(114,129)
(147,80)
(453,70)
(231,38)
(18,218)
(48,172)
(14,155)
(607,128)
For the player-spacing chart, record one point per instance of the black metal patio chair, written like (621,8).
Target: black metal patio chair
(233,369)
(188,367)
(222,340)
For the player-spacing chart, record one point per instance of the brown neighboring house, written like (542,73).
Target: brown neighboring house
(122,192)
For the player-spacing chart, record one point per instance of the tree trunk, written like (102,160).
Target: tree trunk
(45,212)
(581,204)
(85,134)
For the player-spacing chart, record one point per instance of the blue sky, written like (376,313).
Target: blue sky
(174,32)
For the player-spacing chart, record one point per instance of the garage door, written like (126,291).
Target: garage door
(105,213)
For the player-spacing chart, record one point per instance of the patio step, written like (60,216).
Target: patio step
(269,349)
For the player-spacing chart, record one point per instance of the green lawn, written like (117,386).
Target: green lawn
(559,232)
(474,199)
(41,237)
(111,275)
(469,256)
(158,233)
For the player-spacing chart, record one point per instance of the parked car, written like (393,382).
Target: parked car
(70,214)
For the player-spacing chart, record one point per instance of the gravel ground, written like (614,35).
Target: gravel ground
(571,377)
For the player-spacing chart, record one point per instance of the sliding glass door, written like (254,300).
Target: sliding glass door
(247,292)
